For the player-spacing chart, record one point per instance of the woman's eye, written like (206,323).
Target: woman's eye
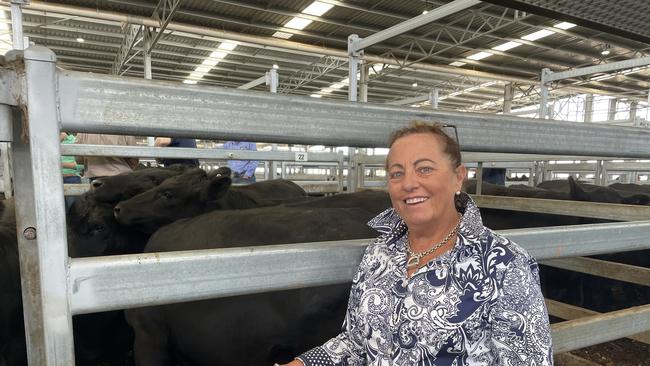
(425,170)
(395,175)
(167,194)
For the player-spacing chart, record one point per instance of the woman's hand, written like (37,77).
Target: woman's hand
(293,363)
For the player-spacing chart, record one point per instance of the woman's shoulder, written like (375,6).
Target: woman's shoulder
(498,247)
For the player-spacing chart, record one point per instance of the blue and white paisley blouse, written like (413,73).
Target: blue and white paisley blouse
(478,304)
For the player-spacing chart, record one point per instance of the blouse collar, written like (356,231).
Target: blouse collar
(392,227)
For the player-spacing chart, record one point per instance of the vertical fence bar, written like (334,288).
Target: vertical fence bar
(353,64)
(543,93)
(40,217)
(18,42)
(6,135)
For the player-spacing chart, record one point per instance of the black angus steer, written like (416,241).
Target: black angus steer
(118,187)
(616,193)
(256,329)
(195,192)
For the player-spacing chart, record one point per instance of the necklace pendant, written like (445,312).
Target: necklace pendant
(412,262)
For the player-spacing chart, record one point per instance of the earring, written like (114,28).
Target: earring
(457,193)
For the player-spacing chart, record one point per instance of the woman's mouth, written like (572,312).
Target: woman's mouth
(415,200)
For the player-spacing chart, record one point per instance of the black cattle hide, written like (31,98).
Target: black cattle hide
(632,188)
(196,192)
(105,338)
(592,193)
(630,194)
(254,329)
(12,334)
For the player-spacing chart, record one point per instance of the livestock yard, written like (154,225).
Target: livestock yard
(179,266)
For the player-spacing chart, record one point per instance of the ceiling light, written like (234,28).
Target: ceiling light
(275,66)
(605,52)
(315,95)
(538,35)
(210,62)
(202,69)
(283,35)
(298,23)
(218,54)
(317,8)
(227,46)
(189,82)
(80,40)
(424,12)
(507,46)
(564,25)
(457,63)
(603,77)
(480,55)
(196,75)
(415,84)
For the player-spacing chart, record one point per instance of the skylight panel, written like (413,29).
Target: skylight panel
(564,25)
(506,46)
(538,35)
(5,35)
(298,23)
(457,63)
(203,69)
(227,46)
(317,8)
(218,54)
(283,35)
(196,75)
(210,62)
(480,55)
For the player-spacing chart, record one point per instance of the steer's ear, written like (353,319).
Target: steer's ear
(576,193)
(216,188)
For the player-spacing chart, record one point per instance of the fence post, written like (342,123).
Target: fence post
(40,216)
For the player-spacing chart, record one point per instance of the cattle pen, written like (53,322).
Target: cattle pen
(38,100)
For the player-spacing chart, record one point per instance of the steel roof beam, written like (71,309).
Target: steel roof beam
(424,19)
(130,33)
(602,68)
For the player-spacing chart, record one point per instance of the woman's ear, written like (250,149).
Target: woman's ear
(461,175)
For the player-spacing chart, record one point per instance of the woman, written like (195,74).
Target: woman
(437,287)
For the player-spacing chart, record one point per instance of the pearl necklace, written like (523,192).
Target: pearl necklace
(414,258)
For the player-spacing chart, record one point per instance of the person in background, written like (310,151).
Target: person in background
(437,287)
(177,142)
(106,166)
(243,171)
(69,168)
(495,176)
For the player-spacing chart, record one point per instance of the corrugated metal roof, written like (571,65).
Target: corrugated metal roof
(440,43)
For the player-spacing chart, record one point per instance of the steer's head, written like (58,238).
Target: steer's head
(185,195)
(126,185)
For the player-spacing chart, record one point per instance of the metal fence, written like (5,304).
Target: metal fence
(42,100)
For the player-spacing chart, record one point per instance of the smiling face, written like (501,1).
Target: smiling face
(422,181)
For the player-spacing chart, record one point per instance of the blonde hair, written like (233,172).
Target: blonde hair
(451,146)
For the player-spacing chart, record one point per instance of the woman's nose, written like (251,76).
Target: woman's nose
(410,181)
